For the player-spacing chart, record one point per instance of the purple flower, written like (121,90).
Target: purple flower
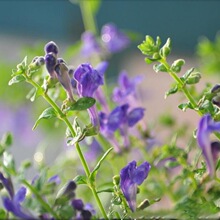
(51,47)
(88,80)
(127,86)
(130,177)
(117,117)
(205,128)
(90,45)
(62,72)
(77,204)
(7,184)
(113,38)
(55,179)
(14,204)
(135,115)
(51,61)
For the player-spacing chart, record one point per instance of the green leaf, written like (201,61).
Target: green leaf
(80,179)
(9,162)
(82,104)
(46,114)
(159,68)
(16,79)
(36,94)
(79,131)
(93,173)
(187,74)
(3,214)
(7,139)
(21,67)
(177,65)
(171,91)
(166,49)
(185,106)
(106,190)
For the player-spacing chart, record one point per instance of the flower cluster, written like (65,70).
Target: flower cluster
(105,126)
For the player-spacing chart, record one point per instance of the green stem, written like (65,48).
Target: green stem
(39,198)
(87,16)
(181,84)
(91,184)
(82,159)
(184,89)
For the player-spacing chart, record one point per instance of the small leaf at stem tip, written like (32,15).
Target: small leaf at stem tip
(16,79)
(80,179)
(46,114)
(82,104)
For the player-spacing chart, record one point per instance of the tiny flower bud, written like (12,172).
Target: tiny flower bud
(116,180)
(51,61)
(51,47)
(78,204)
(64,78)
(216,89)
(216,101)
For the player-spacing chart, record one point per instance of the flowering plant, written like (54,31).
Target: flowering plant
(123,170)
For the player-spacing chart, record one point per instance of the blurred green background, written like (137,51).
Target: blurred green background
(26,25)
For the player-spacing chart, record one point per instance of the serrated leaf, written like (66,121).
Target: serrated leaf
(80,179)
(82,104)
(46,114)
(16,79)
(93,173)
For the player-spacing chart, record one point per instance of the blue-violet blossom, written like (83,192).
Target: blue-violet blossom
(126,87)
(88,80)
(13,205)
(206,126)
(130,177)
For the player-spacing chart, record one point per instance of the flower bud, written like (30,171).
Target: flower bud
(116,180)
(51,47)
(216,101)
(216,89)
(51,61)
(36,63)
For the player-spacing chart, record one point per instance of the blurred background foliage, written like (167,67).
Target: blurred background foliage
(27,25)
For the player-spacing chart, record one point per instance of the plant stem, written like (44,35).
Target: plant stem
(91,184)
(87,15)
(184,89)
(63,117)
(181,84)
